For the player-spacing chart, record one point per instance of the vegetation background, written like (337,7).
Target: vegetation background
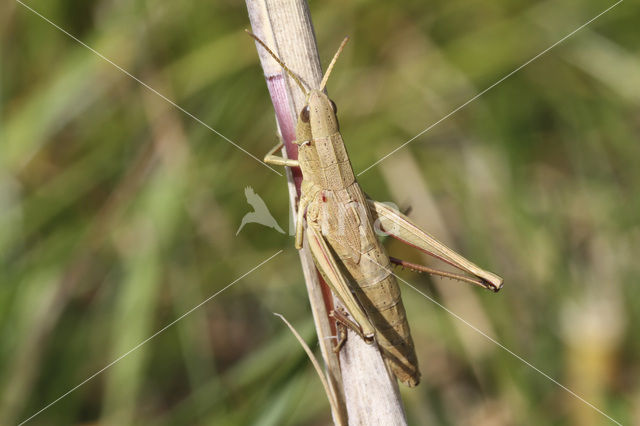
(118,211)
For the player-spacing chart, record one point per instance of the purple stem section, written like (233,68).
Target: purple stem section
(277,89)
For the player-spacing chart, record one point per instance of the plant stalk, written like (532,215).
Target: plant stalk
(367,393)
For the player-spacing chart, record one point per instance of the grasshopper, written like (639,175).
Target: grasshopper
(340,220)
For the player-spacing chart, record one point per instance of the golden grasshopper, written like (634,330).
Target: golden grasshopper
(340,234)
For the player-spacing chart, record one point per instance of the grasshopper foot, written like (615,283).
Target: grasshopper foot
(345,322)
(342,337)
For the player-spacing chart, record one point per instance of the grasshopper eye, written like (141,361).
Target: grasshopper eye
(304,114)
(333,106)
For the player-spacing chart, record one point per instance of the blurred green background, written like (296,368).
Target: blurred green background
(118,212)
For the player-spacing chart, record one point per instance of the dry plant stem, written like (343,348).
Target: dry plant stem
(286,99)
(360,380)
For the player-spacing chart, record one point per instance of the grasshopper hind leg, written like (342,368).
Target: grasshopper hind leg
(402,228)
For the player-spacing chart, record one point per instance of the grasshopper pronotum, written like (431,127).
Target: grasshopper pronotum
(340,229)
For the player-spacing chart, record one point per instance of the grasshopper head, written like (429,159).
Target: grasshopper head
(320,114)
(320,111)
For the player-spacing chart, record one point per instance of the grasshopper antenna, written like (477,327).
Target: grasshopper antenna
(333,62)
(279,61)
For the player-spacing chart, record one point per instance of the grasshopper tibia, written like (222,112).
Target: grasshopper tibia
(421,268)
